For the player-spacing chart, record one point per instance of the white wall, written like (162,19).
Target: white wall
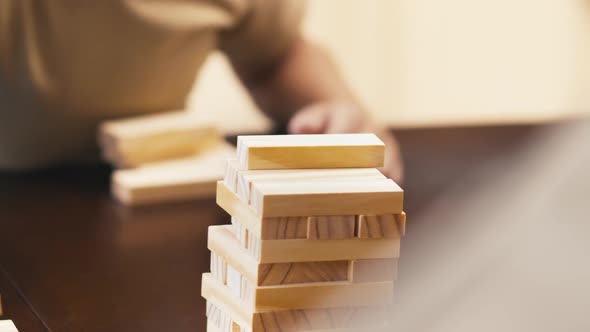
(429,62)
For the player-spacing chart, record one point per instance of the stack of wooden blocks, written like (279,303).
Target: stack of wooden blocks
(315,236)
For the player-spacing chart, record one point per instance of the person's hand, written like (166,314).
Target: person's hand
(339,118)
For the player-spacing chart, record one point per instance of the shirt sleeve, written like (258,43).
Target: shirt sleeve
(264,33)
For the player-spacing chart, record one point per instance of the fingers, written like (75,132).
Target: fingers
(344,118)
(310,120)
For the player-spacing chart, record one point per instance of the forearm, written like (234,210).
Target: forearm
(305,75)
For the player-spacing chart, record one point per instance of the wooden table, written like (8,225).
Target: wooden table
(72,259)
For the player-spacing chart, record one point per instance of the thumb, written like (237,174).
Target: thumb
(310,120)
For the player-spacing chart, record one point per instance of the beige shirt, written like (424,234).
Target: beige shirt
(66,65)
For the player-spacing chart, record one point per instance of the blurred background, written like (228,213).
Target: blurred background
(487,99)
(438,63)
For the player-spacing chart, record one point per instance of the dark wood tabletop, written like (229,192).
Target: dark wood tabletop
(72,259)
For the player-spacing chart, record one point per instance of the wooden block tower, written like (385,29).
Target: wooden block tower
(315,236)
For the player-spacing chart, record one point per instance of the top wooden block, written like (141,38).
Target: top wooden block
(310,151)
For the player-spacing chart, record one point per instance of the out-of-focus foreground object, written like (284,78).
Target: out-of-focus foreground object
(515,256)
(7,326)
(308,249)
(166,157)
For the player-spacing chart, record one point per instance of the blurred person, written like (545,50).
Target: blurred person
(67,65)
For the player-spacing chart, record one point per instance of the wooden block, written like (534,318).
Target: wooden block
(7,326)
(218,267)
(401,223)
(312,296)
(299,273)
(284,228)
(310,151)
(226,250)
(335,319)
(378,226)
(273,227)
(245,178)
(303,250)
(221,239)
(145,139)
(238,209)
(327,320)
(285,251)
(184,179)
(230,178)
(331,227)
(317,198)
(373,270)
(217,319)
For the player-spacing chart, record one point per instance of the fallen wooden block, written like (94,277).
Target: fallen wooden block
(7,326)
(135,141)
(246,178)
(184,179)
(310,151)
(222,304)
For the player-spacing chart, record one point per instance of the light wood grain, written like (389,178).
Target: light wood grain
(322,319)
(238,209)
(136,141)
(218,267)
(312,296)
(219,320)
(310,151)
(7,326)
(246,178)
(378,226)
(288,251)
(183,179)
(307,198)
(226,249)
(373,270)
(267,228)
(353,319)
(285,251)
(331,227)
(284,228)
(298,273)
(230,178)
